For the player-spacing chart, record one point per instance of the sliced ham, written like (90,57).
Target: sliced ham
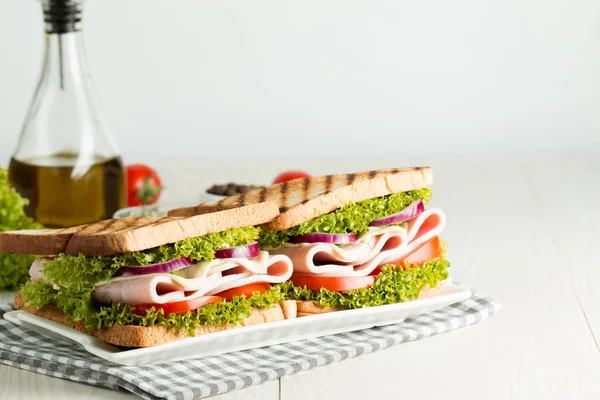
(358,259)
(376,247)
(424,227)
(202,279)
(35,272)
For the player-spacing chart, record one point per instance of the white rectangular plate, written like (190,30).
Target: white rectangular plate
(250,336)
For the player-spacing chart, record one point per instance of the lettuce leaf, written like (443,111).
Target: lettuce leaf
(198,248)
(14,268)
(76,276)
(350,218)
(79,273)
(78,308)
(393,285)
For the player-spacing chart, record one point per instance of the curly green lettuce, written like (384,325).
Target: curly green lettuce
(350,218)
(393,285)
(79,273)
(78,308)
(75,278)
(14,268)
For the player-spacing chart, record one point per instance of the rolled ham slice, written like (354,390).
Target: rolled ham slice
(424,227)
(377,247)
(35,271)
(202,279)
(358,259)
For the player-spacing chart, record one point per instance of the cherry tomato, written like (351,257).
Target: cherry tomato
(143,185)
(247,290)
(332,283)
(290,175)
(177,307)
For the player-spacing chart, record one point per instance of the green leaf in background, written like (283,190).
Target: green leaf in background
(14,268)
(350,218)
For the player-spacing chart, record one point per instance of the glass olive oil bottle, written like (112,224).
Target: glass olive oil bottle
(66,162)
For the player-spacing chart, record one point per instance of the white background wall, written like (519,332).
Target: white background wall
(195,79)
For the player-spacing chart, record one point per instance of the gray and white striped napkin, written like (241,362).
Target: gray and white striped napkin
(194,379)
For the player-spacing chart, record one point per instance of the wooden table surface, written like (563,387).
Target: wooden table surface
(524,230)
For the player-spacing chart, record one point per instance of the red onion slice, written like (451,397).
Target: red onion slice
(162,268)
(415,208)
(245,251)
(335,238)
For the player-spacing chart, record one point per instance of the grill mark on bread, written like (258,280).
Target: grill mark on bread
(85,228)
(305,187)
(71,230)
(262,194)
(135,225)
(241,199)
(372,174)
(159,222)
(104,227)
(124,226)
(350,178)
(283,195)
(97,227)
(328,181)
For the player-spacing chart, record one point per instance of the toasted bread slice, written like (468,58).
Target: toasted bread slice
(303,199)
(116,236)
(145,336)
(312,307)
(37,241)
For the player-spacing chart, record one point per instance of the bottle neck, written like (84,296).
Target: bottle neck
(64,60)
(64,54)
(62,16)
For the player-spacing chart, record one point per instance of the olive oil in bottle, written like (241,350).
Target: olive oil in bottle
(66,162)
(63,192)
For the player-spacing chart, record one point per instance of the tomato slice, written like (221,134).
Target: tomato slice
(332,283)
(246,290)
(177,307)
(430,250)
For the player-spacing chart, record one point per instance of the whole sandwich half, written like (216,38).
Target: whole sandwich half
(355,240)
(143,281)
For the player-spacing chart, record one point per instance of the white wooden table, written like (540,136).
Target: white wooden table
(522,230)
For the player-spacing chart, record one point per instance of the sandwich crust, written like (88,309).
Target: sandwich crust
(37,241)
(303,199)
(116,236)
(145,336)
